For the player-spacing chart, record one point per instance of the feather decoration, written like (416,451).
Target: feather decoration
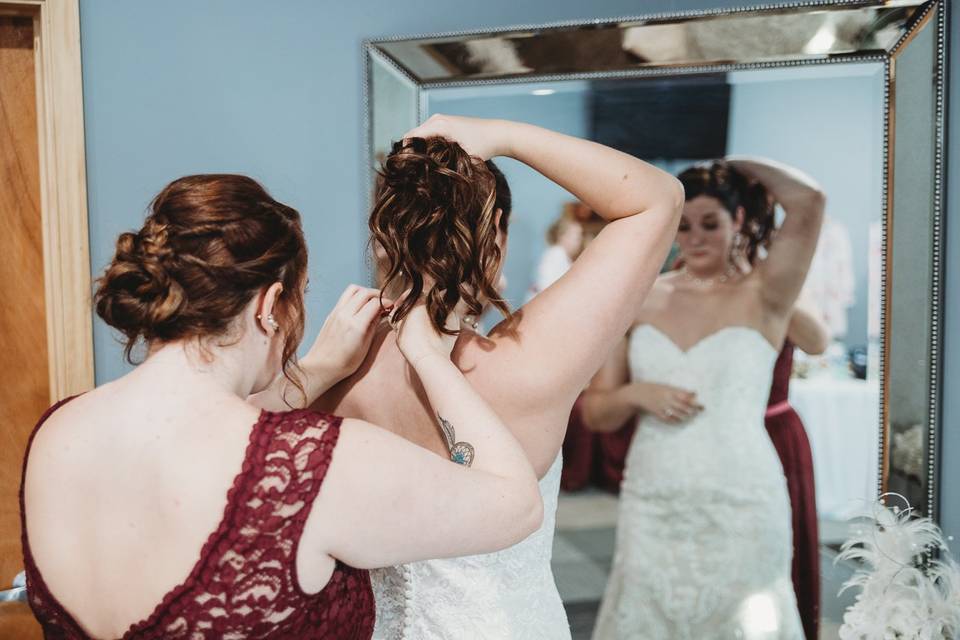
(903,596)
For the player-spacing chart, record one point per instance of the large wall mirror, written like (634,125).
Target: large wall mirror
(851,93)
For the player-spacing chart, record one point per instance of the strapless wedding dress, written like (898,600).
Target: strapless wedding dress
(508,595)
(704,541)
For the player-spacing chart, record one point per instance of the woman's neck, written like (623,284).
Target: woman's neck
(183,365)
(709,277)
(396,290)
(709,273)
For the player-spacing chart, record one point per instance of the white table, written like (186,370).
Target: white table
(841,417)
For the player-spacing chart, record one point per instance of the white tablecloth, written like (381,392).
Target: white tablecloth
(842,421)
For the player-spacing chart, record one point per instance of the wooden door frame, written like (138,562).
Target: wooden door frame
(63,192)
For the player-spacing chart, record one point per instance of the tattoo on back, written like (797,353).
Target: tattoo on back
(460,452)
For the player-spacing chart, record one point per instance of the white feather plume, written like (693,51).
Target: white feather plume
(901,597)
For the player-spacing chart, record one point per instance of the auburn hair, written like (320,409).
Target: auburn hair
(435,222)
(208,246)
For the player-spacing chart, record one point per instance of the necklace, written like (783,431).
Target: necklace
(709,282)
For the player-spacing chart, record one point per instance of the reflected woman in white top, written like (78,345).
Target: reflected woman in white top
(564,244)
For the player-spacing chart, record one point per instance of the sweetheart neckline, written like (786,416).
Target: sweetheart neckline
(707,337)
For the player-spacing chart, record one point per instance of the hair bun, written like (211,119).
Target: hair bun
(421,165)
(137,293)
(209,245)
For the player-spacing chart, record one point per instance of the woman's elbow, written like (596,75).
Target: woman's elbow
(670,196)
(816,202)
(678,195)
(529,515)
(818,345)
(587,414)
(594,418)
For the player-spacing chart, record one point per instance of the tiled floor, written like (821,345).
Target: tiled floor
(582,554)
(583,550)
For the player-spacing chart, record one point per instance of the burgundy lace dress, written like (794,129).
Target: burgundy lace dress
(790,440)
(244,584)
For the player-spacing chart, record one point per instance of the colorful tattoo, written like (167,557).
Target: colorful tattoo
(460,452)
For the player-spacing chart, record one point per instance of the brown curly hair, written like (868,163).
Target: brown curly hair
(209,245)
(435,219)
(719,180)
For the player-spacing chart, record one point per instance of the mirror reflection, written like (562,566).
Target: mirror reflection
(790,33)
(707,467)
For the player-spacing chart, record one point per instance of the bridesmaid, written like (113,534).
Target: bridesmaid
(807,333)
(170,503)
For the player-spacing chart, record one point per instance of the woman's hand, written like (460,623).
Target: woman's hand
(479,137)
(346,334)
(668,404)
(417,338)
(340,347)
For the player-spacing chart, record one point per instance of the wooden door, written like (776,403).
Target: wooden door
(24,374)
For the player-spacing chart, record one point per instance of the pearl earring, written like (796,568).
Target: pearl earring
(270,321)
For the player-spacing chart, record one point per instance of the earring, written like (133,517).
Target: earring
(737,247)
(270,321)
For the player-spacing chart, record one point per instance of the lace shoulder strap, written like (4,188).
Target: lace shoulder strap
(284,467)
(298,447)
(267,508)
(250,558)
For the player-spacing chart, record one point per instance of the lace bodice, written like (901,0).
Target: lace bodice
(703,534)
(730,371)
(244,584)
(508,595)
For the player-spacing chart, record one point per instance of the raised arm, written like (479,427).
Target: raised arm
(567,332)
(788,260)
(386,501)
(563,336)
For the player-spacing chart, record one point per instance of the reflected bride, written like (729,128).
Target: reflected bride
(703,537)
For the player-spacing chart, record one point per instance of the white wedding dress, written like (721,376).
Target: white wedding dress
(704,540)
(508,595)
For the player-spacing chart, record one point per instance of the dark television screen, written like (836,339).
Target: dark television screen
(662,118)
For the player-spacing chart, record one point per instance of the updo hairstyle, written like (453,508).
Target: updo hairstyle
(435,220)
(719,180)
(209,245)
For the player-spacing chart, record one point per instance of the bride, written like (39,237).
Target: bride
(704,532)
(440,223)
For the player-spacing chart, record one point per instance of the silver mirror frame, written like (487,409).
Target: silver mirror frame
(934,14)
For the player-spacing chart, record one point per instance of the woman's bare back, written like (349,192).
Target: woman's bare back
(386,392)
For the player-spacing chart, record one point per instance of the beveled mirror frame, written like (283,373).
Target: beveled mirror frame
(930,14)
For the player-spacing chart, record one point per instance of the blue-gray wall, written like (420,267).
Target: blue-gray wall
(273,89)
(793,115)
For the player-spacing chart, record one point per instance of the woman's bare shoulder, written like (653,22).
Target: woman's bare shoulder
(659,297)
